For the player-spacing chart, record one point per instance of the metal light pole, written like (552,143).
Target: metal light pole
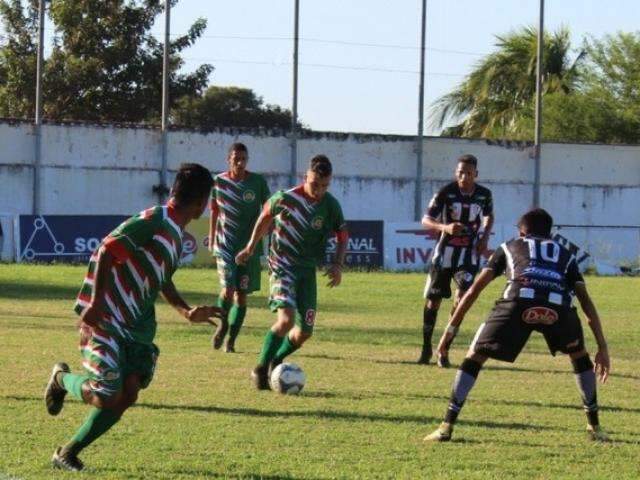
(162,191)
(294,107)
(38,120)
(418,188)
(537,140)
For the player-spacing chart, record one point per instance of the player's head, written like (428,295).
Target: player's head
(318,177)
(467,171)
(237,158)
(536,222)
(191,188)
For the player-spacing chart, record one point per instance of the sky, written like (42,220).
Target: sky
(359,59)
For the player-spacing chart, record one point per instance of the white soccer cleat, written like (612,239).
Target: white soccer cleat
(442,434)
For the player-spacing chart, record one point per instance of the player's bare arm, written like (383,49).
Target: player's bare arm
(602,364)
(466,302)
(92,314)
(483,241)
(262,226)
(454,228)
(200,314)
(334,271)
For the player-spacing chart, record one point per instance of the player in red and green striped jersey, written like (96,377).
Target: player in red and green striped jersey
(303,218)
(132,265)
(236,200)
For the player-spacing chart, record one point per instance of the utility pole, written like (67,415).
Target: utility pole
(537,140)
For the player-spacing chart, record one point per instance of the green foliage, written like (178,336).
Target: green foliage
(105,65)
(363,412)
(229,106)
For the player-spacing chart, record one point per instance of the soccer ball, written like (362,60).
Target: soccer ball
(287,378)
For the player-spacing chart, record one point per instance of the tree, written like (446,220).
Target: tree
(105,65)
(229,106)
(491,100)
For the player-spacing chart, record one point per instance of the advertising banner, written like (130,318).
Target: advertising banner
(365,247)
(407,246)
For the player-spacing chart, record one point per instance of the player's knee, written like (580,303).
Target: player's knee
(298,337)
(108,400)
(240,299)
(432,304)
(227,294)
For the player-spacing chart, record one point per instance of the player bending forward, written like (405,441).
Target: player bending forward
(303,218)
(117,324)
(237,197)
(542,277)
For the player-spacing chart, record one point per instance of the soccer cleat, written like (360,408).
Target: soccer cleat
(442,434)
(260,377)
(221,331)
(229,347)
(443,361)
(425,356)
(54,393)
(595,433)
(66,461)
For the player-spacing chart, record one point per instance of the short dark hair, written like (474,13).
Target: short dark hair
(536,222)
(321,165)
(193,183)
(469,159)
(238,147)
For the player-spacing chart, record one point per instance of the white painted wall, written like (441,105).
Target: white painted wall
(88,169)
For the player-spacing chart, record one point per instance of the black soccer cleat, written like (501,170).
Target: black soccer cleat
(443,361)
(260,377)
(221,331)
(54,393)
(66,461)
(425,356)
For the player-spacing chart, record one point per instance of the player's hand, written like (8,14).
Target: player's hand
(481,246)
(91,316)
(455,228)
(445,341)
(334,272)
(203,314)
(602,364)
(243,255)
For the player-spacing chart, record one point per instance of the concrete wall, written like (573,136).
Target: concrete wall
(94,169)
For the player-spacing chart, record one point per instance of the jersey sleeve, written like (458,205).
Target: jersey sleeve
(487,208)
(498,261)
(436,205)
(133,233)
(274,203)
(573,274)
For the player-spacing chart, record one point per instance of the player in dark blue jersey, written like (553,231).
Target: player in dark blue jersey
(462,212)
(542,278)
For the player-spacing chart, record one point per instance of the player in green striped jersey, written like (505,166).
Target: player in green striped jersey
(237,197)
(132,265)
(302,218)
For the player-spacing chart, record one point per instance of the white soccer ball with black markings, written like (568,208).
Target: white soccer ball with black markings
(288,378)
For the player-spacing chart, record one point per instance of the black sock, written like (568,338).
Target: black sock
(429,317)
(586,381)
(462,385)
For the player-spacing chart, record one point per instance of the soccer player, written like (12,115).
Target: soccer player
(542,278)
(303,219)
(457,211)
(236,201)
(117,324)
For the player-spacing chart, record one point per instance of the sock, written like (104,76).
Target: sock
(270,346)
(586,381)
(72,383)
(236,317)
(286,349)
(226,304)
(428,323)
(96,424)
(462,385)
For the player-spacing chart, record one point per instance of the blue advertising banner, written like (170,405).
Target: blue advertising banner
(62,238)
(365,247)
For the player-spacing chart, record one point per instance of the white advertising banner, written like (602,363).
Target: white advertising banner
(407,246)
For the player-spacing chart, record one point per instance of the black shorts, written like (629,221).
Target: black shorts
(439,280)
(506,331)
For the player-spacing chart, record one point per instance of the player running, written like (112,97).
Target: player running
(117,324)
(236,200)
(458,211)
(303,219)
(542,278)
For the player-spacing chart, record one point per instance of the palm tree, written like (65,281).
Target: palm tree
(501,89)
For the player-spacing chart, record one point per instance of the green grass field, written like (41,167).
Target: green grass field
(363,412)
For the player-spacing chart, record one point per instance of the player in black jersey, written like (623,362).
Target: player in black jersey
(459,211)
(542,277)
